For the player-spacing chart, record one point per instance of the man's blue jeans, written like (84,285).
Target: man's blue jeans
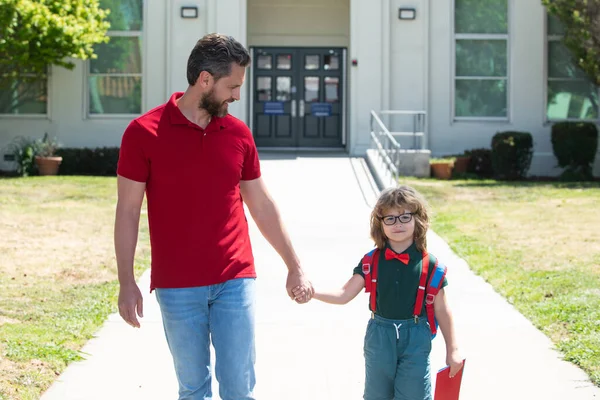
(223,313)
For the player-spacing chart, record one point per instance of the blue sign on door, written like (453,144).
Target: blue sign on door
(320,109)
(273,108)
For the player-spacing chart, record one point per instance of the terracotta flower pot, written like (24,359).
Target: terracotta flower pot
(461,164)
(442,170)
(48,165)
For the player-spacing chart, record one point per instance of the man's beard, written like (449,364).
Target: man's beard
(213,107)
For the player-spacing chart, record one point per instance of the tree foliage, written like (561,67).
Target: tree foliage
(580,20)
(37,33)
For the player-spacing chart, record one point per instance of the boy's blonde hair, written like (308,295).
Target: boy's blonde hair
(401,197)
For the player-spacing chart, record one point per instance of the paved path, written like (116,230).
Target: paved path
(314,351)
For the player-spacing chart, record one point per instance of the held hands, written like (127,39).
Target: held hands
(130,301)
(298,287)
(455,361)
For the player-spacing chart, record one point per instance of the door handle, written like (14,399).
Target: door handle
(301,112)
(293,108)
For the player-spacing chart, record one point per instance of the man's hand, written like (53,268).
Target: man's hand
(298,287)
(130,301)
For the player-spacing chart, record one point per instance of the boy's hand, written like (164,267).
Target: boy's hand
(455,361)
(302,294)
(299,293)
(298,287)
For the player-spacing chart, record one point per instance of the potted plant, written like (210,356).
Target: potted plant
(441,168)
(45,156)
(461,163)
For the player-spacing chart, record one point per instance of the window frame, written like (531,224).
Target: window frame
(546,75)
(482,36)
(47,115)
(141,34)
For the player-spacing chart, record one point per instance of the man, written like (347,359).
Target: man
(196,163)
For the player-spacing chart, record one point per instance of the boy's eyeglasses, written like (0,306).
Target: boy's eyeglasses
(391,219)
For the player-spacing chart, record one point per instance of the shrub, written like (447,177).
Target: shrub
(84,161)
(23,151)
(480,163)
(574,144)
(511,154)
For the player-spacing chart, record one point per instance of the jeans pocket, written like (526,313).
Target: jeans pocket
(427,337)
(368,333)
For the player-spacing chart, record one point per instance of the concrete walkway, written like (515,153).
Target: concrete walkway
(314,351)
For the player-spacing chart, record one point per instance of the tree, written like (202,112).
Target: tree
(580,20)
(35,34)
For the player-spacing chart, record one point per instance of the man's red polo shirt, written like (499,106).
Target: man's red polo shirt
(198,229)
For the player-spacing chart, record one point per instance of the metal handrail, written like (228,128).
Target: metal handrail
(387,147)
(383,127)
(402,112)
(418,124)
(384,141)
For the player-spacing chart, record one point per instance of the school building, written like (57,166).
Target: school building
(457,70)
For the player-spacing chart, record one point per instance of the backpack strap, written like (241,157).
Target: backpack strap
(369,269)
(421,289)
(428,290)
(433,287)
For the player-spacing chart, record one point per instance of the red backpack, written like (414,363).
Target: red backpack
(429,289)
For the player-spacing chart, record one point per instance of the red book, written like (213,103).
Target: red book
(447,388)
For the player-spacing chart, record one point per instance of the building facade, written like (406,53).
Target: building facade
(320,66)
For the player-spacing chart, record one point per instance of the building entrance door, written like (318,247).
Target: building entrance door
(298,97)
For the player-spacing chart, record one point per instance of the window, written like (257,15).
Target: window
(284,61)
(26,96)
(311,89)
(264,61)
(570,94)
(481,59)
(115,77)
(264,88)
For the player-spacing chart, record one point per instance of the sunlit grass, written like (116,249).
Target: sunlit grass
(538,244)
(57,274)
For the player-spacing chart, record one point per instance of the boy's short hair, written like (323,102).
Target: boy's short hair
(401,197)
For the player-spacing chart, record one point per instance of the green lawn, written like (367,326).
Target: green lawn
(538,244)
(57,274)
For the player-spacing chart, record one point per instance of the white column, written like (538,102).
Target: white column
(365,78)
(409,49)
(183,35)
(230,19)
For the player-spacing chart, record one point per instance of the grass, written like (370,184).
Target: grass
(57,274)
(538,244)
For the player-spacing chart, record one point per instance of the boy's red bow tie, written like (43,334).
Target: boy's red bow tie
(389,254)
